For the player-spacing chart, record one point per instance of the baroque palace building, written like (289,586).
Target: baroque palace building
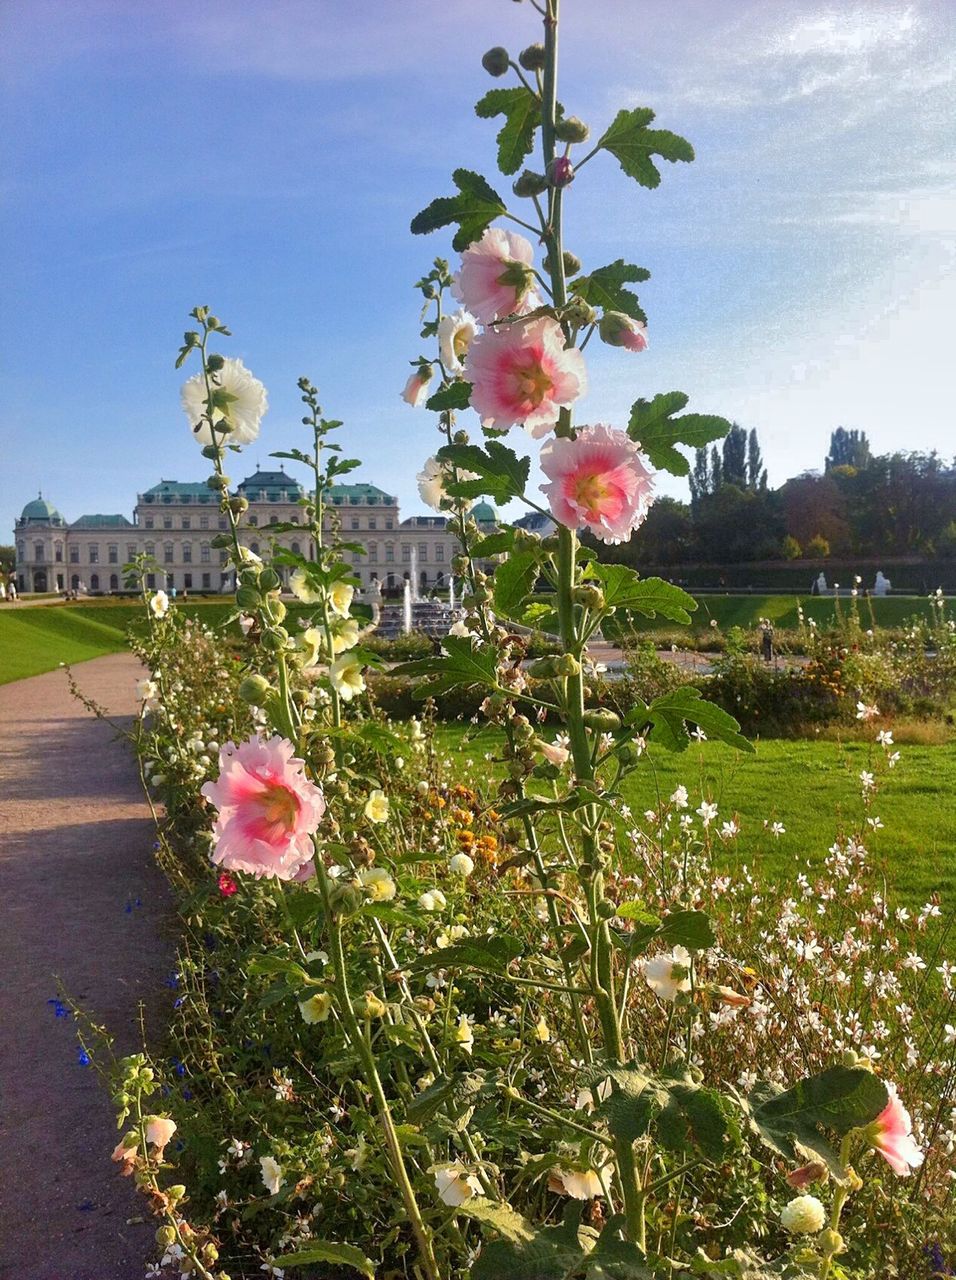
(175,523)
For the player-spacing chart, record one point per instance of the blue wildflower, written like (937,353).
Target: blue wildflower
(82,1057)
(59,1008)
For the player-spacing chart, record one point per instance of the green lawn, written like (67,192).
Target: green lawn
(813,789)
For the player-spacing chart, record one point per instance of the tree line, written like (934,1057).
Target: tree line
(860,504)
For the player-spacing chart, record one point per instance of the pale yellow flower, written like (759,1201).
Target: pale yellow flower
(376,806)
(317,1008)
(377,883)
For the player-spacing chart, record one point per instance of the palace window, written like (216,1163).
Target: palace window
(206,581)
(151,548)
(94,550)
(223,557)
(167,522)
(390,551)
(439,550)
(38,551)
(187,553)
(58,552)
(373,553)
(167,553)
(296,549)
(114,582)
(355,522)
(254,548)
(372,523)
(273,519)
(406,552)
(187,580)
(74,555)
(94,582)
(205,553)
(186,523)
(130,551)
(149,522)
(112,553)
(389,524)
(423,551)
(204,522)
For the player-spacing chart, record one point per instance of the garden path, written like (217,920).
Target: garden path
(80,900)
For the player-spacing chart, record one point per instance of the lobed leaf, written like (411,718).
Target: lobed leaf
(340,1255)
(605,288)
(625,589)
(632,143)
(522,111)
(474,208)
(654,427)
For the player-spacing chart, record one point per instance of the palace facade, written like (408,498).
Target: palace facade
(175,524)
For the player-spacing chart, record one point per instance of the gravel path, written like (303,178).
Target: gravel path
(75,852)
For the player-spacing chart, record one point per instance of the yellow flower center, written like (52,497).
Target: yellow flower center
(590,491)
(534,384)
(279,807)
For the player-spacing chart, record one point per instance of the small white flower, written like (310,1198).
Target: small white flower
(707,812)
(461,865)
(803,1216)
(433,900)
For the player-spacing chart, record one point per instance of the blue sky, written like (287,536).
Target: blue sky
(266,158)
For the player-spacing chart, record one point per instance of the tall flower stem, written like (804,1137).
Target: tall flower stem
(359,1042)
(602,968)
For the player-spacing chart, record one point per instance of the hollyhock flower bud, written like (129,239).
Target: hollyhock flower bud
(370,1006)
(496,277)
(807,1174)
(668,975)
(803,1216)
(227,885)
(268,809)
(524,374)
(416,388)
(532,58)
(598,481)
(578,312)
(891,1133)
(554,753)
(561,171)
(571,129)
(620,330)
(254,690)
(528,184)
(735,1000)
(496,61)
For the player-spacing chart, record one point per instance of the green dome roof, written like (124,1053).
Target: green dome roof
(42,512)
(485,513)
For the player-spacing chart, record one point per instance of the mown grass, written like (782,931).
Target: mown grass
(812,787)
(34,640)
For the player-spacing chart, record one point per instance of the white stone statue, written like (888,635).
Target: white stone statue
(881,587)
(822,588)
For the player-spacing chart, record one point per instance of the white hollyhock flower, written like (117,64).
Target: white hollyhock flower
(340,598)
(461,865)
(346,676)
(669,974)
(303,588)
(243,401)
(148,693)
(431,486)
(433,900)
(272,1176)
(803,1216)
(376,806)
(377,883)
(455,333)
(455,1184)
(316,1009)
(573,1183)
(159,604)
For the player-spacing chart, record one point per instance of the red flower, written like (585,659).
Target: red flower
(227,885)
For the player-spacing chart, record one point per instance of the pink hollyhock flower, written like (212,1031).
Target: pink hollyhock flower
(599,481)
(416,388)
(496,277)
(891,1133)
(268,809)
(159,1130)
(524,373)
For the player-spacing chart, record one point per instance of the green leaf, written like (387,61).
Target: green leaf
(495,544)
(474,208)
(455,396)
(513,583)
(838,1099)
(522,111)
(452,1094)
(502,475)
(682,1114)
(672,712)
(524,1252)
(625,589)
(654,427)
(462,665)
(473,953)
(632,143)
(690,929)
(605,288)
(340,1255)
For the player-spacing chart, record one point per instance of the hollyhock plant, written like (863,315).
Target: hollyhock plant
(620,330)
(524,373)
(268,809)
(239,402)
(496,278)
(891,1133)
(668,975)
(598,481)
